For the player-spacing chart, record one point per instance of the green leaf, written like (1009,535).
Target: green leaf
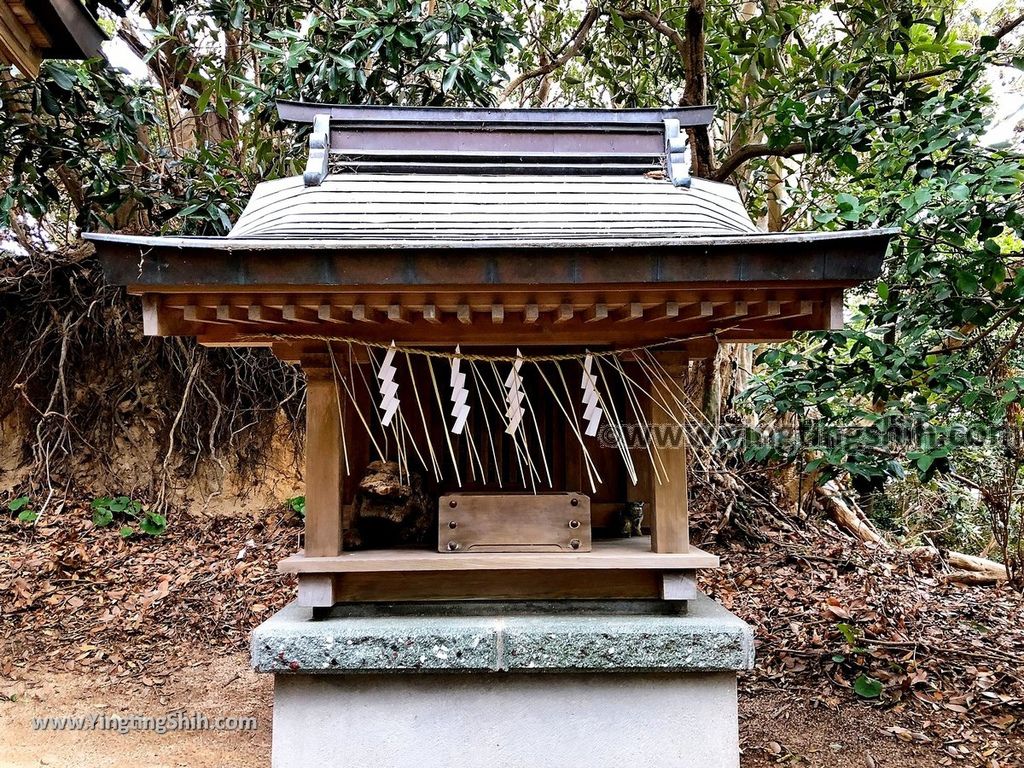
(63,78)
(28,516)
(883,291)
(868,687)
(101,518)
(19,503)
(153,524)
(126,531)
(960,192)
(848,633)
(204,101)
(405,39)
(449,77)
(967,282)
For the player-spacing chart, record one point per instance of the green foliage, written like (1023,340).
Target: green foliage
(21,505)
(297,504)
(868,687)
(107,509)
(401,51)
(76,125)
(849,633)
(926,379)
(853,660)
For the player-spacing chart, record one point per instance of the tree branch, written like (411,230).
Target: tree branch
(690,46)
(571,48)
(751,151)
(658,25)
(695,91)
(1007,27)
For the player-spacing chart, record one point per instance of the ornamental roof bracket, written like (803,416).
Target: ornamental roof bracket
(319,151)
(677,154)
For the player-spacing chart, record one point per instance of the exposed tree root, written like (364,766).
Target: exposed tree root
(89,385)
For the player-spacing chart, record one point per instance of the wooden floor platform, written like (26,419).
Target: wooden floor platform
(613,555)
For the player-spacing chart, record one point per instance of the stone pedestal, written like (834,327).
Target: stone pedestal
(490,686)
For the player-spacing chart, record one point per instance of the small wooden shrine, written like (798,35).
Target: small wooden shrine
(499,302)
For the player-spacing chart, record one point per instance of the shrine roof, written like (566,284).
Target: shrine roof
(519,227)
(395,210)
(525,197)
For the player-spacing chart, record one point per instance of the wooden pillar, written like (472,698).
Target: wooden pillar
(324,471)
(670,515)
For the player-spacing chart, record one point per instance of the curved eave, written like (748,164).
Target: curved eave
(840,259)
(869,239)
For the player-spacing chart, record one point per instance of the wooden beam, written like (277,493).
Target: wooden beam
(464,314)
(232,313)
(15,43)
(262,314)
(791,310)
(731,310)
(191,313)
(435,586)
(328,313)
(596,312)
(679,585)
(316,590)
(530,313)
(564,313)
(445,334)
(430,314)
(632,311)
(497,313)
(607,555)
(324,473)
(153,321)
(398,314)
(295,313)
(702,309)
(762,311)
(670,515)
(835,319)
(361,314)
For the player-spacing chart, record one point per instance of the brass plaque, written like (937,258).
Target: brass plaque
(486,522)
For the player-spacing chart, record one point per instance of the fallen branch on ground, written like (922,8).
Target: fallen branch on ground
(852,520)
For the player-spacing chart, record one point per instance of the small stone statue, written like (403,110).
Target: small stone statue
(631,517)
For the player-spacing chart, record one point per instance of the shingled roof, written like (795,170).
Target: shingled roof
(408,222)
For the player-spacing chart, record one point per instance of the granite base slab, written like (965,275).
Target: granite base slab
(706,638)
(504,687)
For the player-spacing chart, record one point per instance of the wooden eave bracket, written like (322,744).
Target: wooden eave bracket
(319,151)
(677,154)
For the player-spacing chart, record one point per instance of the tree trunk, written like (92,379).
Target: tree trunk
(696,90)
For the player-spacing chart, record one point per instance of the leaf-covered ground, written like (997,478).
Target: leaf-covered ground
(840,627)
(939,667)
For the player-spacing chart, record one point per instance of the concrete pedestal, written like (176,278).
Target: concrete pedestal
(533,689)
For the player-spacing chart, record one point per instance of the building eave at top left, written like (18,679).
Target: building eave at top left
(32,31)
